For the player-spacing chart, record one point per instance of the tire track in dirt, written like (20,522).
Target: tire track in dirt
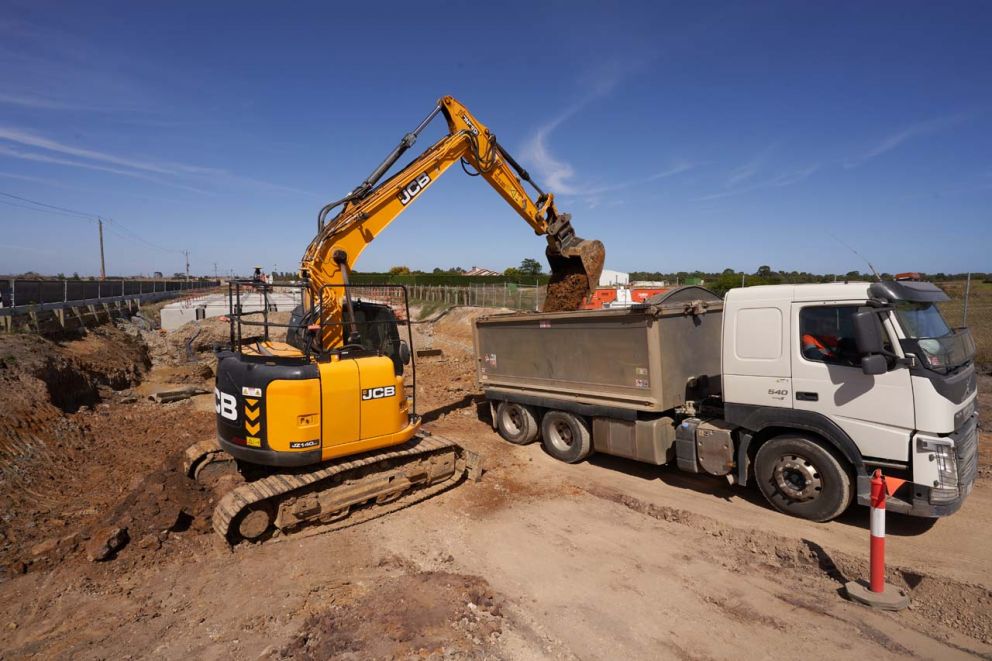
(963,607)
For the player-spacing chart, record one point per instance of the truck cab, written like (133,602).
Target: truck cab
(827,382)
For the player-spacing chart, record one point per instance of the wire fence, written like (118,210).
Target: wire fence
(499,295)
(17,291)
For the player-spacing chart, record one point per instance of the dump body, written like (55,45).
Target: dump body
(648,358)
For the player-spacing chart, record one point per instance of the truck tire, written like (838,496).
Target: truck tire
(565,436)
(801,477)
(516,423)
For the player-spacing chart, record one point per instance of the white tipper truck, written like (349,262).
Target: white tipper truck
(802,389)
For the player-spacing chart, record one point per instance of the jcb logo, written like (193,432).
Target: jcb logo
(471,126)
(412,189)
(226,405)
(378,393)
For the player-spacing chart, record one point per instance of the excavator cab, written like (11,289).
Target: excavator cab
(294,402)
(381,331)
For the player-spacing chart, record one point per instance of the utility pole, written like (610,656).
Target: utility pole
(103,266)
(967,292)
(215,270)
(186,253)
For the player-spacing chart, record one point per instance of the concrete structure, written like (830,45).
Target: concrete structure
(176,314)
(610,278)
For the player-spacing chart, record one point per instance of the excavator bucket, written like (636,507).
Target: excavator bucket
(575,272)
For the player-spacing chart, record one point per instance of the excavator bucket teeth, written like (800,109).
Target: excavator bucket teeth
(575,272)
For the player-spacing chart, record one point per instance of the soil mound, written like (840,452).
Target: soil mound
(72,437)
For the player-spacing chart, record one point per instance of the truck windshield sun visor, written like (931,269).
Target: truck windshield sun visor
(913,292)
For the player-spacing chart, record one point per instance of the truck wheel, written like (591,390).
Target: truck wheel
(516,423)
(565,436)
(802,478)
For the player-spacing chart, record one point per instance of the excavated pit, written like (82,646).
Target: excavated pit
(72,437)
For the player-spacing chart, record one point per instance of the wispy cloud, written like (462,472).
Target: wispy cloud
(39,102)
(55,160)
(30,139)
(743,173)
(556,172)
(36,180)
(560,176)
(167,173)
(750,169)
(908,133)
(780,180)
(678,168)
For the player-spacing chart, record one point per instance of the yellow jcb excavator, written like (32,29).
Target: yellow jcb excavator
(319,426)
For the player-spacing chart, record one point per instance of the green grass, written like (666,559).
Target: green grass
(427,308)
(979,314)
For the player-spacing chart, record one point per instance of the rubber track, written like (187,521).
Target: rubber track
(196,453)
(236,501)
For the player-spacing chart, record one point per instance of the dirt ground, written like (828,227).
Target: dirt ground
(604,559)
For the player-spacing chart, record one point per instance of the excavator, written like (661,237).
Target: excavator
(318,428)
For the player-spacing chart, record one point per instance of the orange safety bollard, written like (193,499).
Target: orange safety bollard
(878,593)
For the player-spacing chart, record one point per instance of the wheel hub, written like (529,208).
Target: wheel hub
(797,478)
(513,421)
(561,435)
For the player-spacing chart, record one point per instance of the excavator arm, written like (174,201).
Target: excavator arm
(365,212)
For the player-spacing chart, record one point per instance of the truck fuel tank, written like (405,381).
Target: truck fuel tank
(705,444)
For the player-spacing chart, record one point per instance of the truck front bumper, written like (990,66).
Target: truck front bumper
(928,501)
(918,501)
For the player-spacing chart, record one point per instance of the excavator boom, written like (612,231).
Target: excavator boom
(365,212)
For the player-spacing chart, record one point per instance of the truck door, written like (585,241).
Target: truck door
(875,411)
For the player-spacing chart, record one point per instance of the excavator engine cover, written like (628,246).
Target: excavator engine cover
(575,272)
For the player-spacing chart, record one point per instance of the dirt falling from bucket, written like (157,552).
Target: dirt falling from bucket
(566,292)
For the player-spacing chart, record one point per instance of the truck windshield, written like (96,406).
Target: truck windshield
(928,335)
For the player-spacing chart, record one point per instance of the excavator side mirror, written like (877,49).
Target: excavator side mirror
(404,352)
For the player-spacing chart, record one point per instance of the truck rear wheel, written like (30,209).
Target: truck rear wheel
(801,477)
(565,436)
(516,423)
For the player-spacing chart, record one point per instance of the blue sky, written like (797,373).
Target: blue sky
(684,135)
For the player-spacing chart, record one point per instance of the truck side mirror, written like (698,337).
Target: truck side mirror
(868,333)
(876,363)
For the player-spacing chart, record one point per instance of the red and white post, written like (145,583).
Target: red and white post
(878,593)
(877,551)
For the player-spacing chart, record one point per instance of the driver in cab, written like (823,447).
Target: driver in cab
(820,340)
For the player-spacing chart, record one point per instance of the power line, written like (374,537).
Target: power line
(54,213)
(135,236)
(82,214)
(65,211)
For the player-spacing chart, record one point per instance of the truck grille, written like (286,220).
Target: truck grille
(966,448)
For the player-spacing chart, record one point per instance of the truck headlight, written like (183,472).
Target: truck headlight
(942,452)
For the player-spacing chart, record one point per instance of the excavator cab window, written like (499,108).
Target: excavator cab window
(378,331)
